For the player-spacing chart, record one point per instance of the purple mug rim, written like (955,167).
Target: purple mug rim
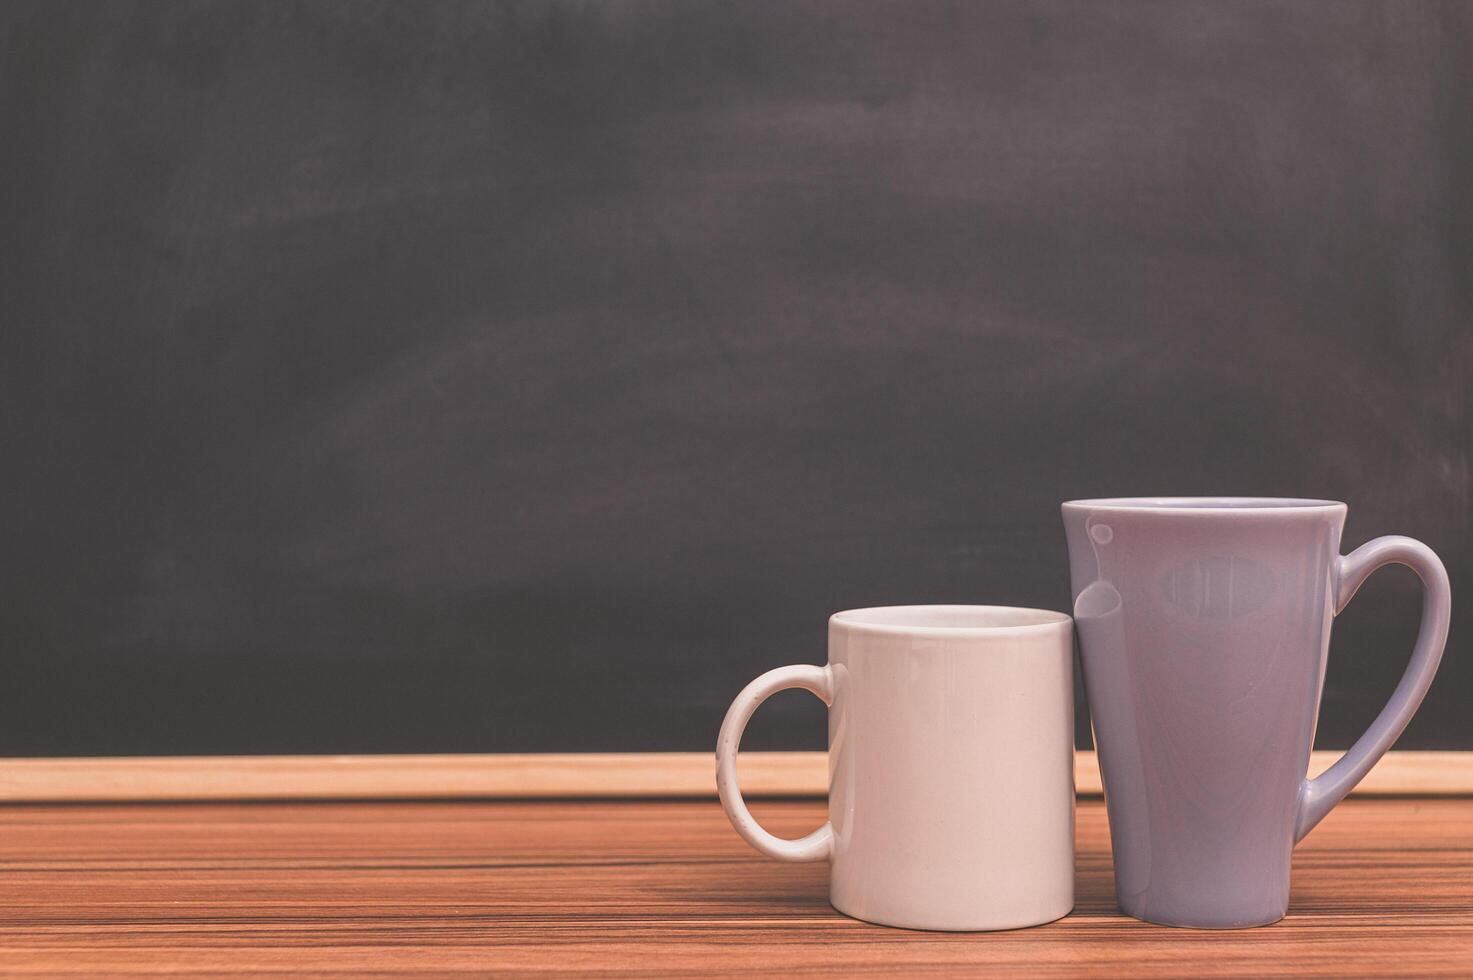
(1205,505)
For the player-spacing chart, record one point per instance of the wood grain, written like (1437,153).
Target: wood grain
(666,774)
(1382,887)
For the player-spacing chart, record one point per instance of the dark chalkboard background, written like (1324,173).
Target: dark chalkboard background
(528,376)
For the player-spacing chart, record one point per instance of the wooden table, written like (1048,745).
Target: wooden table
(1384,886)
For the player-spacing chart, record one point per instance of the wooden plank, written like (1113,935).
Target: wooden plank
(668,774)
(1384,887)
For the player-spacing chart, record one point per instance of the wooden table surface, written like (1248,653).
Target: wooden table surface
(1384,886)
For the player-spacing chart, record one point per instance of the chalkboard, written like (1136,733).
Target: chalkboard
(410,377)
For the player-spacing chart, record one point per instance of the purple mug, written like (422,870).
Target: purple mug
(1203,627)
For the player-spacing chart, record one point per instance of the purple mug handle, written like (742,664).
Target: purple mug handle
(1317,796)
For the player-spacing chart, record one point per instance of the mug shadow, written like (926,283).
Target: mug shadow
(1094,887)
(764,889)
(757,887)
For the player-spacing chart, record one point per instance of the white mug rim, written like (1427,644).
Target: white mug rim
(935,620)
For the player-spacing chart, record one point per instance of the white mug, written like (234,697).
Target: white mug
(951,766)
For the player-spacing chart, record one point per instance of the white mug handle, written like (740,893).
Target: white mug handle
(818,845)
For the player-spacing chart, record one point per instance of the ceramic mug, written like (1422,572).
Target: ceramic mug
(1204,624)
(951,772)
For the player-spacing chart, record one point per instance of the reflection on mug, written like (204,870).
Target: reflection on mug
(1098,620)
(1219,586)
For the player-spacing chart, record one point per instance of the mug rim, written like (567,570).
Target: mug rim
(1204,505)
(894,621)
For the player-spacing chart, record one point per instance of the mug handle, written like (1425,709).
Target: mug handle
(818,845)
(1317,796)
